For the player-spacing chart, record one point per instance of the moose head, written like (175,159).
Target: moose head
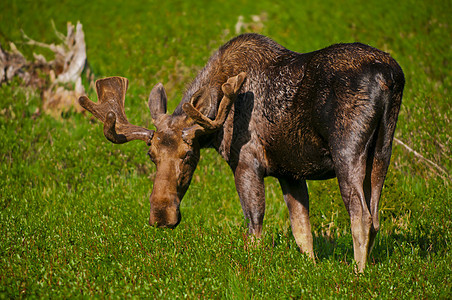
(173,146)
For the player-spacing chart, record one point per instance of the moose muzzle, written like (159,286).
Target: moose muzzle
(166,216)
(164,206)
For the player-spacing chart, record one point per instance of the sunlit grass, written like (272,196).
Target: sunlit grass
(74,207)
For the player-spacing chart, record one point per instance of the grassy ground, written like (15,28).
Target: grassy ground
(74,208)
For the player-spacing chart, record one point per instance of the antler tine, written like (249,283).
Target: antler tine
(111,93)
(230,89)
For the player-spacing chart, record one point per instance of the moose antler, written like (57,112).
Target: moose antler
(111,93)
(206,125)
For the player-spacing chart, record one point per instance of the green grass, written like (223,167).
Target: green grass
(74,208)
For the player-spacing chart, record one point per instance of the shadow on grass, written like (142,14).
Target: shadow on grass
(419,243)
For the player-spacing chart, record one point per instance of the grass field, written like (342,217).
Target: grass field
(74,207)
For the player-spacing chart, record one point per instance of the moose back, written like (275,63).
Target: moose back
(269,111)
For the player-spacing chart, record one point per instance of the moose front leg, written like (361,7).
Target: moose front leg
(250,187)
(297,201)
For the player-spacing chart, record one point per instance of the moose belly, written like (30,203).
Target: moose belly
(305,158)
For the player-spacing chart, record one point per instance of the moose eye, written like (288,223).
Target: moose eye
(188,155)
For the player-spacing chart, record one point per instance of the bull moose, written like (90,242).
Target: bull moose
(269,111)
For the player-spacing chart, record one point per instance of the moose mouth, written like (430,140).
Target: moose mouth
(168,217)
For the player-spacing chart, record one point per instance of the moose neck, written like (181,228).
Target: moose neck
(256,59)
(203,79)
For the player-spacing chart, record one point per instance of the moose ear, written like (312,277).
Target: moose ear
(157,101)
(202,100)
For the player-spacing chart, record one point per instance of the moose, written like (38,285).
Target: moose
(269,111)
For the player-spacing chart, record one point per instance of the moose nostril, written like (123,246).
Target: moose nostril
(167,218)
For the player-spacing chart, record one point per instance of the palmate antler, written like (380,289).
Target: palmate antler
(204,124)
(111,93)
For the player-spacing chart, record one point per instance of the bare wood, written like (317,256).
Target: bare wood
(66,67)
(421,157)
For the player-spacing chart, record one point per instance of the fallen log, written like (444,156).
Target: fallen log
(58,80)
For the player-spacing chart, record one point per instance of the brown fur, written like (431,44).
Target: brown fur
(317,115)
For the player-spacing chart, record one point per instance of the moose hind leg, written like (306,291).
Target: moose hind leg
(351,177)
(297,200)
(377,168)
